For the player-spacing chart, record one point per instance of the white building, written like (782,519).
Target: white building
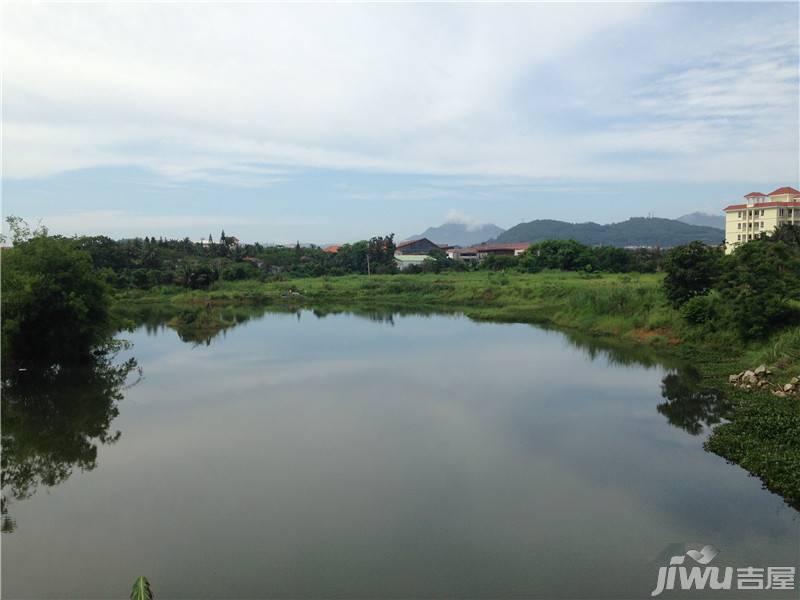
(760,214)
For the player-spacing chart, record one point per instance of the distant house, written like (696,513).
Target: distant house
(403,261)
(254,261)
(333,249)
(420,246)
(760,215)
(478,253)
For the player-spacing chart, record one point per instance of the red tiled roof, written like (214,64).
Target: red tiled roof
(761,205)
(331,249)
(751,194)
(491,247)
(784,190)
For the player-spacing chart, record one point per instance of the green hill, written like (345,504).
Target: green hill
(636,231)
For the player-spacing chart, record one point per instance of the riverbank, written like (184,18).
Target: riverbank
(628,306)
(763,435)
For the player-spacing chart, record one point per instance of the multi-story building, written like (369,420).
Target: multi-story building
(759,215)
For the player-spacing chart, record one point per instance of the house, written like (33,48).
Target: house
(420,246)
(332,249)
(254,261)
(759,215)
(478,253)
(403,261)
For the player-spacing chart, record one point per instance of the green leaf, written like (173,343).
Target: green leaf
(141,589)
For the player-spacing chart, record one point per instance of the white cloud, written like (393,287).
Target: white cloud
(204,90)
(470,222)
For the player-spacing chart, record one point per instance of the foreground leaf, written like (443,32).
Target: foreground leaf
(141,589)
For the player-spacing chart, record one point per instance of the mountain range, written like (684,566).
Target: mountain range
(704,220)
(459,234)
(636,231)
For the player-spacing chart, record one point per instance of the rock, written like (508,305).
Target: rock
(761,370)
(733,378)
(788,387)
(763,383)
(795,380)
(779,394)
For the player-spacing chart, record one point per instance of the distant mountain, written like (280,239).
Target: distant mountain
(704,220)
(459,234)
(637,231)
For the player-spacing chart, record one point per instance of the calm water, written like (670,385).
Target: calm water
(407,456)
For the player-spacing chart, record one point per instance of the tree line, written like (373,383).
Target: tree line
(147,262)
(57,290)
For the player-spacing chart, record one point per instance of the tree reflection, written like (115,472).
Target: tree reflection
(691,405)
(53,420)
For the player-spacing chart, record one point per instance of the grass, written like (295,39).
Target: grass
(763,435)
(630,306)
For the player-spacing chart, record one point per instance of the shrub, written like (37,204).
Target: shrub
(691,270)
(700,310)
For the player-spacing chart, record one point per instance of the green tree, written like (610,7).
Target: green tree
(691,271)
(380,250)
(564,255)
(55,305)
(105,252)
(758,283)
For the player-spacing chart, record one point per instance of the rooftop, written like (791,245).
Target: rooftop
(761,205)
(784,190)
(493,247)
(409,242)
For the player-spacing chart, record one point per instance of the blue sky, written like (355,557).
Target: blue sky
(332,122)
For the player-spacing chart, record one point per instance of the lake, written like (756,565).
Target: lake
(303,455)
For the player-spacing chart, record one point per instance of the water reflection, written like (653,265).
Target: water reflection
(52,422)
(203,323)
(690,404)
(618,353)
(434,457)
(197,324)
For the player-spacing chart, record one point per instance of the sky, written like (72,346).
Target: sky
(332,122)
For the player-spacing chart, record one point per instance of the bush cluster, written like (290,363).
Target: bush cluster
(754,291)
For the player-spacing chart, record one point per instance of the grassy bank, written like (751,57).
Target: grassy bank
(630,306)
(763,435)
